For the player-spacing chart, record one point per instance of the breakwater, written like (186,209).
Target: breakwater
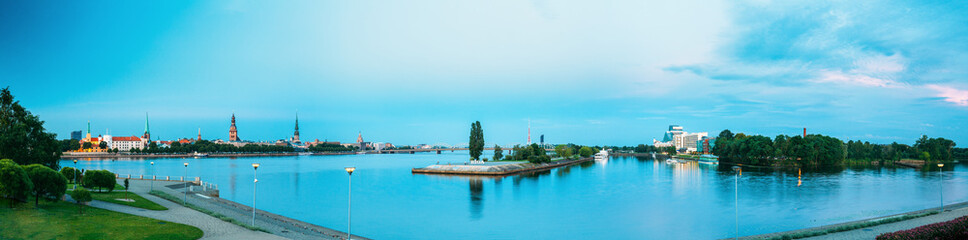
(71,155)
(494,170)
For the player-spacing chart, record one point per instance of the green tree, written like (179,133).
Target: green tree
(498,153)
(48,184)
(925,156)
(100,179)
(102,145)
(22,135)
(69,145)
(126,188)
(81,196)
(87,145)
(14,182)
(69,173)
(476,144)
(586,151)
(641,148)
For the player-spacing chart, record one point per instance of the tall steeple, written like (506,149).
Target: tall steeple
(147,135)
(233,133)
(199,134)
(295,136)
(359,139)
(88,129)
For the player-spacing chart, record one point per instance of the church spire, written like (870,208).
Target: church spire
(147,135)
(295,135)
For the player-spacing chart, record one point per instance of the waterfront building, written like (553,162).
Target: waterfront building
(233,132)
(124,143)
(147,135)
(76,135)
(677,137)
(705,145)
(295,135)
(95,141)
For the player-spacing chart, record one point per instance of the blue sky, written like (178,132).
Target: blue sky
(410,72)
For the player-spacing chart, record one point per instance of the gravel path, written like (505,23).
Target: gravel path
(213,228)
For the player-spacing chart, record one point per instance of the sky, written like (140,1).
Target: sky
(412,72)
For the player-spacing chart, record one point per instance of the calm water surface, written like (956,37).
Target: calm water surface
(623,198)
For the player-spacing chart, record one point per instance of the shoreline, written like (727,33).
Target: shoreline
(189,155)
(777,235)
(511,169)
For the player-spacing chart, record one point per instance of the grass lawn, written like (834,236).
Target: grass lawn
(112,197)
(60,220)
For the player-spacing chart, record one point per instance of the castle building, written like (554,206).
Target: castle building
(233,133)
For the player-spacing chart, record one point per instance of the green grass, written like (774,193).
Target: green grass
(112,197)
(849,227)
(205,211)
(60,220)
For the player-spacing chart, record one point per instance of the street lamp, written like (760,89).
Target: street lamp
(255,166)
(75,175)
(152,177)
(941,184)
(349,204)
(736,169)
(185,201)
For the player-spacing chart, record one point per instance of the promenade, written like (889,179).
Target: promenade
(281,227)
(951,212)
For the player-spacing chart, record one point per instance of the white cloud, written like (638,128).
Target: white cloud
(950,94)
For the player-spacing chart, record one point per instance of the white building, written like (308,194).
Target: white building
(680,139)
(124,143)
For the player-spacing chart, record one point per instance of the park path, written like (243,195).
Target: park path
(213,228)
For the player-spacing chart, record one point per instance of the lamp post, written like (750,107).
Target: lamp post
(255,166)
(941,184)
(152,168)
(75,175)
(349,204)
(185,201)
(736,169)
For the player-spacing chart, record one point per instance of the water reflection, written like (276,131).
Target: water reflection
(477,197)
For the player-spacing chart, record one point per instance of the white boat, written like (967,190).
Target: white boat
(304,154)
(198,155)
(601,155)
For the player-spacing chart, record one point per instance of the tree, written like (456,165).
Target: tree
(99,179)
(126,188)
(641,148)
(586,152)
(14,182)
(48,184)
(563,151)
(69,173)
(498,153)
(87,145)
(81,196)
(102,145)
(22,135)
(69,145)
(476,144)
(537,154)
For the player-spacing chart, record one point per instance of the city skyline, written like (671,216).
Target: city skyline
(411,73)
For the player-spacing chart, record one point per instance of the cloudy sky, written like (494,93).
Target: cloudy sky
(409,72)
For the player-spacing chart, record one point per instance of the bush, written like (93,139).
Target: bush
(69,173)
(81,196)
(954,229)
(99,179)
(14,182)
(48,184)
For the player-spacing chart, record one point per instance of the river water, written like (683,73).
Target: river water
(623,198)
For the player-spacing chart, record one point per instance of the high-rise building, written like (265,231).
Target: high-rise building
(233,133)
(77,135)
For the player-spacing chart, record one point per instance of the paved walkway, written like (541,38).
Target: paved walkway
(872,232)
(213,228)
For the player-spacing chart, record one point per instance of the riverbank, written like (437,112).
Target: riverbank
(76,155)
(270,222)
(871,229)
(494,170)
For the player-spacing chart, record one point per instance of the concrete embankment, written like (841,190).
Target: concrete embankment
(494,170)
(69,155)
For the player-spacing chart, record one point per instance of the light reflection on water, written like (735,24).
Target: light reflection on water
(624,198)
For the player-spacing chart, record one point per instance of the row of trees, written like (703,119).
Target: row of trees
(17,182)
(211,147)
(812,150)
(330,148)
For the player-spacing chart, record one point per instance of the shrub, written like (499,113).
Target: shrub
(99,179)
(81,196)
(48,184)
(14,182)
(69,173)
(954,229)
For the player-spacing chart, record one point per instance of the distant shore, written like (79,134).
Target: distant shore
(75,155)
(494,170)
